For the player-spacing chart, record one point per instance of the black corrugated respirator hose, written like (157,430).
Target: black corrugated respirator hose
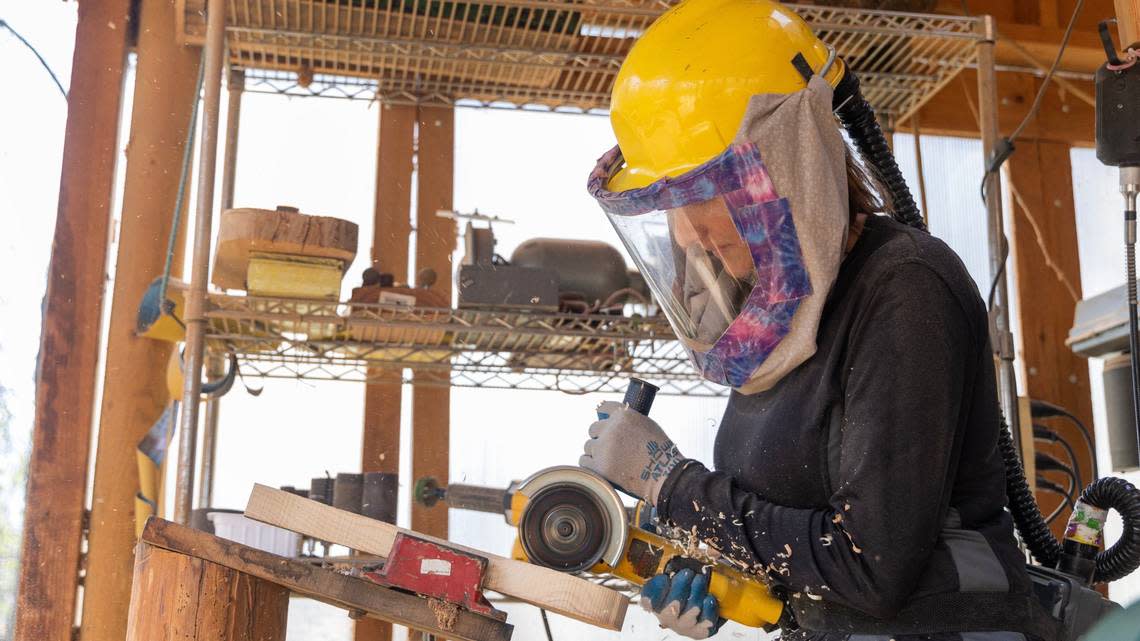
(858,118)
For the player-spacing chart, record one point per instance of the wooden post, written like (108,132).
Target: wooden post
(390,236)
(1043,243)
(134,387)
(392,228)
(177,597)
(69,343)
(435,241)
(1128,22)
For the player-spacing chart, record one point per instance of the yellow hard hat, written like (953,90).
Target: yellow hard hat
(681,92)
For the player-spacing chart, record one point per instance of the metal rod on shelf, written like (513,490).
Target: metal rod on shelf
(235,90)
(998,251)
(214,363)
(196,292)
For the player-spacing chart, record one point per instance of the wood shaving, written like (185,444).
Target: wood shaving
(445,613)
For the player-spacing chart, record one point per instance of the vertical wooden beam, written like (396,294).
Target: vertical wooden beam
(134,388)
(1128,22)
(1043,243)
(380,450)
(435,241)
(69,342)
(390,238)
(177,597)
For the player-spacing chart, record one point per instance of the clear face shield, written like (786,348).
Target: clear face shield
(719,250)
(697,263)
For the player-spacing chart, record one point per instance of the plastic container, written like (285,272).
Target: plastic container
(269,538)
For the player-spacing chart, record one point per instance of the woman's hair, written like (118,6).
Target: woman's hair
(866,193)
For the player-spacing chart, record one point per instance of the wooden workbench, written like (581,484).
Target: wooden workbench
(193,586)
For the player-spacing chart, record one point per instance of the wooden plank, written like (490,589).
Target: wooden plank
(391,233)
(177,597)
(134,389)
(435,242)
(1043,242)
(70,342)
(351,593)
(562,593)
(1128,22)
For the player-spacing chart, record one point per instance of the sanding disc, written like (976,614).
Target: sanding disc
(564,528)
(572,520)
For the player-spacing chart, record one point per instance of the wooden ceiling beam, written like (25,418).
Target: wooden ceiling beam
(1063,117)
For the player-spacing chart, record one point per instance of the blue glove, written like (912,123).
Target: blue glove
(683,604)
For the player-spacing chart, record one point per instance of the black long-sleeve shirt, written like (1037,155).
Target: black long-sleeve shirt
(870,474)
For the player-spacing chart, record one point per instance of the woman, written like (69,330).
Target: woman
(856,465)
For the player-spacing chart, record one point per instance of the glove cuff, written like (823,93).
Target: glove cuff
(663,491)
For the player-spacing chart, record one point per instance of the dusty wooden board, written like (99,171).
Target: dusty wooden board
(70,342)
(324,585)
(246,230)
(562,593)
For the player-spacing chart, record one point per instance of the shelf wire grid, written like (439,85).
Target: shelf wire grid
(503,349)
(558,55)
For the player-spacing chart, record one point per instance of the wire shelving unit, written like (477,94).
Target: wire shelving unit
(557,55)
(324,340)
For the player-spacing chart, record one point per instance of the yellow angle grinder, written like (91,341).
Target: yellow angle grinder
(571,519)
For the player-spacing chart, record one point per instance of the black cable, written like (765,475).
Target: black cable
(4,23)
(1045,434)
(1048,463)
(1045,409)
(1000,271)
(546,624)
(1066,501)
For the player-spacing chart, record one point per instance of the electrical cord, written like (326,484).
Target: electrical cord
(1043,433)
(1066,500)
(546,624)
(4,23)
(1049,463)
(1005,147)
(1045,409)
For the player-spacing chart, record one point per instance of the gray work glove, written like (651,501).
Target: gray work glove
(630,450)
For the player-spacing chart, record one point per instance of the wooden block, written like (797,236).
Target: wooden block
(565,594)
(284,231)
(177,597)
(351,593)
